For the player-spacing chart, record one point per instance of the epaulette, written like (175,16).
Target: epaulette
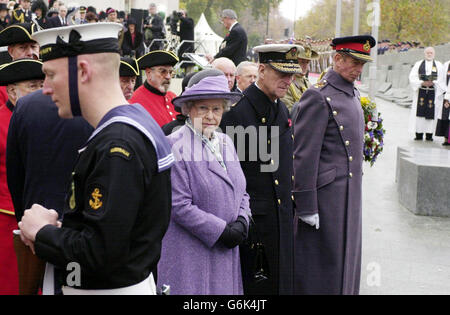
(321,84)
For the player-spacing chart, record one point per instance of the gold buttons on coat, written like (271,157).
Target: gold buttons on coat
(277,182)
(351,175)
(335,113)
(328,99)
(279,201)
(264,120)
(350,159)
(341,128)
(347,143)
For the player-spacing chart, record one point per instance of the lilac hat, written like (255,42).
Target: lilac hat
(209,87)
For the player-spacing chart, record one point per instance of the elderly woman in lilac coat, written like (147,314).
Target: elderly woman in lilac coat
(210,206)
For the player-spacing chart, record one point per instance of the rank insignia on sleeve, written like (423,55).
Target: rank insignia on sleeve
(96,202)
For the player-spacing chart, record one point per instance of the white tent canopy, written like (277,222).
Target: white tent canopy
(204,34)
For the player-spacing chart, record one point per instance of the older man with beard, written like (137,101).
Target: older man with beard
(154,94)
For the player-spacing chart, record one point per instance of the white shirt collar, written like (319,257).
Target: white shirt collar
(233,25)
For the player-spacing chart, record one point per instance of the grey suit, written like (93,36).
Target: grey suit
(328,149)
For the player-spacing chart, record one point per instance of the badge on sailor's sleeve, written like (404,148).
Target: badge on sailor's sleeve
(95,198)
(120,151)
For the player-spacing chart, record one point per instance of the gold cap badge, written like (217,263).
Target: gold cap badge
(292,54)
(366,46)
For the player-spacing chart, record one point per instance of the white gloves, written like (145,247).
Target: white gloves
(312,220)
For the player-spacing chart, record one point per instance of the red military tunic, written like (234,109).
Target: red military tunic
(9,283)
(3,95)
(159,105)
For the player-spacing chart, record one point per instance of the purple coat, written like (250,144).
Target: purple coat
(328,150)
(205,198)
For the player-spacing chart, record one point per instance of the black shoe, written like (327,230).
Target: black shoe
(419,137)
(446,144)
(429,137)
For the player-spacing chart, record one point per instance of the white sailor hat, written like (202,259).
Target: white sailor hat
(74,40)
(281,57)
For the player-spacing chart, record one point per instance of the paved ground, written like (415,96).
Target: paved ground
(402,253)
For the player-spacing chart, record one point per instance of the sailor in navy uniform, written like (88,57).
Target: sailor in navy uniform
(118,208)
(269,176)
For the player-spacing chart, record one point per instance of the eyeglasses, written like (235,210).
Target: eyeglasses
(165,72)
(203,110)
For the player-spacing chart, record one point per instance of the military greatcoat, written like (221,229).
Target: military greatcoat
(328,150)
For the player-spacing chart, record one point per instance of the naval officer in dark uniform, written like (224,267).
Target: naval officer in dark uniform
(118,208)
(266,161)
(328,150)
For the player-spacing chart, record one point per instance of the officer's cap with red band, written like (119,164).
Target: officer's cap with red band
(358,47)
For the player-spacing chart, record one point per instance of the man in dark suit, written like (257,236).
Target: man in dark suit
(234,46)
(186,33)
(154,29)
(60,19)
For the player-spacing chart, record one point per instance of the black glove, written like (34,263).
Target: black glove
(235,233)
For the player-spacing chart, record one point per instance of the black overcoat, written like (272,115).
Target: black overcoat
(270,191)
(41,152)
(234,46)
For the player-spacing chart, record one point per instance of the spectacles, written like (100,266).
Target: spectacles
(203,110)
(164,72)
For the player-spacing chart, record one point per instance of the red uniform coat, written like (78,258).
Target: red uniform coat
(9,283)
(3,95)
(157,104)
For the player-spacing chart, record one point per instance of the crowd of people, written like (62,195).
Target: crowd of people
(137,188)
(138,36)
(385,46)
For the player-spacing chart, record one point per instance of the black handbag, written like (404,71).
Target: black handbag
(254,265)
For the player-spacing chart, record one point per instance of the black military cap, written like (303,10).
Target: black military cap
(21,70)
(356,46)
(128,67)
(82,9)
(281,57)
(3,6)
(77,40)
(17,34)
(157,58)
